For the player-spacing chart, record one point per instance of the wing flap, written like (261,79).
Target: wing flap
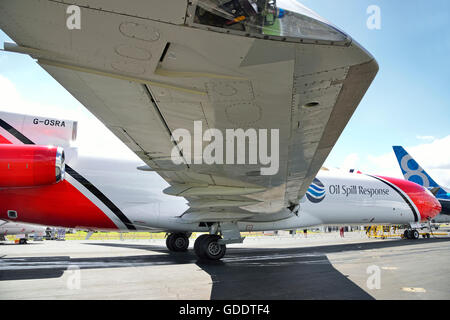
(144,79)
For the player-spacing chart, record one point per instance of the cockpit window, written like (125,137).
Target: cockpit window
(282,18)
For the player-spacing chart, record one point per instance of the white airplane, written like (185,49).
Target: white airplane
(22,230)
(155,73)
(98,193)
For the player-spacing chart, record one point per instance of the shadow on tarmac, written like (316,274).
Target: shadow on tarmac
(244,273)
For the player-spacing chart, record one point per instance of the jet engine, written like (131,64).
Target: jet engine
(30,165)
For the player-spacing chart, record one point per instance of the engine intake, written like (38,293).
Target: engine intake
(30,165)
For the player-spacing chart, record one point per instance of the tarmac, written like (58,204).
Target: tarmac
(320,267)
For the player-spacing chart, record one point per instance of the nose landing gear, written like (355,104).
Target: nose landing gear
(411,234)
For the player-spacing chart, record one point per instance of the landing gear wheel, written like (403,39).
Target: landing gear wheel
(177,242)
(23,241)
(169,243)
(210,249)
(197,244)
(406,234)
(411,234)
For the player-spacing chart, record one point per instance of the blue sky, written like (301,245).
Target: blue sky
(408,103)
(410,96)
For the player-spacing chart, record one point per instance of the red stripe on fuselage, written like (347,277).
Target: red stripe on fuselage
(426,203)
(3,140)
(59,204)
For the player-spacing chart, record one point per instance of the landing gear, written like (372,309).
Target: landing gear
(197,242)
(177,242)
(212,246)
(208,247)
(411,234)
(23,241)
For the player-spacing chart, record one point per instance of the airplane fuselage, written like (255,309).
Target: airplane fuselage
(111,194)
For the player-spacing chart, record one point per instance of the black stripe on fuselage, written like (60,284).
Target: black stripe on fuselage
(96,192)
(15,133)
(416,217)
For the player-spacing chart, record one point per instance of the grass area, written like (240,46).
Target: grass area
(81,235)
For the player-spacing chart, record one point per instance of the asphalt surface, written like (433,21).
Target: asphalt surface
(321,266)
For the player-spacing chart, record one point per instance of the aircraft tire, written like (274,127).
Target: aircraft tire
(210,249)
(197,245)
(169,242)
(177,242)
(415,234)
(180,242)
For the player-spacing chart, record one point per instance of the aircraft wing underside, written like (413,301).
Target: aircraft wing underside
(146,76)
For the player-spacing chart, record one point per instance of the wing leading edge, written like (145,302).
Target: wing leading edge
(145,78)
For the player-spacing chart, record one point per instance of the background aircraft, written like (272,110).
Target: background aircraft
(413,172)
(21,230)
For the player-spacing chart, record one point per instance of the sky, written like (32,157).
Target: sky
(408,103)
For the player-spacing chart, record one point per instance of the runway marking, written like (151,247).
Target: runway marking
(14,264)
(414,290)
(389,268)
(272,257)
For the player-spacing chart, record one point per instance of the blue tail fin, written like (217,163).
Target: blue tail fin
(412,171)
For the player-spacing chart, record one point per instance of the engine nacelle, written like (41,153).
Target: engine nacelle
(30,165)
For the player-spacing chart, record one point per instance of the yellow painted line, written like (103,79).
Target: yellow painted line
(386,236)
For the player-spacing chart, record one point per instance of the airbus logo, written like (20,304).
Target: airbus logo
(413,172)
(316,191)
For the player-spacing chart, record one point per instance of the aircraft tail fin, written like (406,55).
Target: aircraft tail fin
(19,129)
(413,172)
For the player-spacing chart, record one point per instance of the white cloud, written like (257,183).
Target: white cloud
(350,162)
(12,101)
(425,137)
(433,157)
